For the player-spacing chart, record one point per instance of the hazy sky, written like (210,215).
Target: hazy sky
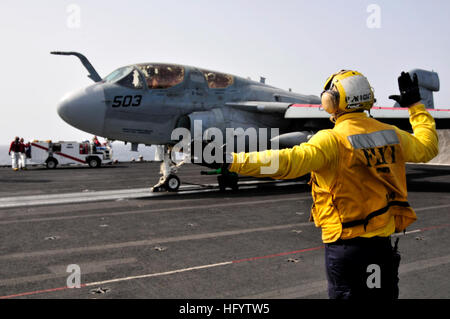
(294,44)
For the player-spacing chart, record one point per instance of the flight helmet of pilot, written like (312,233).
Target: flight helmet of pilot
(347,91)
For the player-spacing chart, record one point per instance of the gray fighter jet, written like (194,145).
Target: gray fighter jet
(144,103)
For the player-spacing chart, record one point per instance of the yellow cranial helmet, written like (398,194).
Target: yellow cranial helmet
(347,91)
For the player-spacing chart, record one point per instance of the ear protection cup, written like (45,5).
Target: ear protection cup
(330,101)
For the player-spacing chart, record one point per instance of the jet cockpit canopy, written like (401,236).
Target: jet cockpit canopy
(127,76)
(217,80)
(162,76)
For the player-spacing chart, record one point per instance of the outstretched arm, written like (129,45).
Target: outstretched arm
(321,150)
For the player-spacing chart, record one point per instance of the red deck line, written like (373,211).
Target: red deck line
(38,292)
(277,255)
(232,262)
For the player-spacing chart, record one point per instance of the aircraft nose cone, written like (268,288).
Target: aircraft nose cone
(84,109)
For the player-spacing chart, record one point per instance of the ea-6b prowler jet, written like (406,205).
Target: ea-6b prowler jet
(143,104)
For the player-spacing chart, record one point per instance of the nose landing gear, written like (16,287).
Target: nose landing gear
(168,181)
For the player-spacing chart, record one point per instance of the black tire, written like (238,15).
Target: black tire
(234,183)
(94,162)
(222,183)
(228,180)
(172,183)
(51,163)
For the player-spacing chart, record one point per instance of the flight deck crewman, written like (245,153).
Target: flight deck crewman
(23,155)
(358,182)
(15,149)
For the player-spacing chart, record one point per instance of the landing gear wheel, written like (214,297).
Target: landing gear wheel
(222,183)
(172,183)
(234,182)
(168,180)
(228,180)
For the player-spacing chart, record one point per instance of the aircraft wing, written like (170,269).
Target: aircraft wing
(309,117)
(302,111)
(392,115)
(261,106)
(397,116)
(400,116)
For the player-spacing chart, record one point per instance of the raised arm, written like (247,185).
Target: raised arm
(423,145)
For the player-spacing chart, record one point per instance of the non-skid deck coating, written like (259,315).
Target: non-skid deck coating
(255,243)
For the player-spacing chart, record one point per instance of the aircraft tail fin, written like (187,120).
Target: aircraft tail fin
(428,83)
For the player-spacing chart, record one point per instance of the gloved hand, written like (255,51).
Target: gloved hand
(409,90)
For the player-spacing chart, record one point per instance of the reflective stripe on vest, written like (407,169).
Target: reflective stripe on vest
(375,139)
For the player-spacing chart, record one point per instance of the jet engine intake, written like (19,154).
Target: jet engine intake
(203,125)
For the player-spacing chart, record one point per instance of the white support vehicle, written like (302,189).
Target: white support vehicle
(53,154)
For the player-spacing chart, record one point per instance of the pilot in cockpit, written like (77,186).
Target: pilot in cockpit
(162,78)
(211,78)
(156,81)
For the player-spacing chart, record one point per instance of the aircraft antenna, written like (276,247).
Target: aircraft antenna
(93,75)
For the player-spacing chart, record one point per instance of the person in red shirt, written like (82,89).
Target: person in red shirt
(15,149)
(96,144)
(23,157)
(96,141)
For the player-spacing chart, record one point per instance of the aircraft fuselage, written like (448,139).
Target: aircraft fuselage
(143,103)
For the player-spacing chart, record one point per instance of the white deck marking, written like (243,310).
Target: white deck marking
(148,242)
(155,210)
(90,196)
(98,283)
(58,271)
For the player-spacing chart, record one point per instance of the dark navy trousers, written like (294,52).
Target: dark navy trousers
(362,268)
